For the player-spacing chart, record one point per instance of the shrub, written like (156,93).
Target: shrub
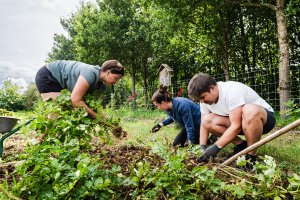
(11,97)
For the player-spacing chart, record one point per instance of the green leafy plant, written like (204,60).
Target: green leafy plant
(292,113)
(11,97)
(67,166)
(4,112)
(58,166)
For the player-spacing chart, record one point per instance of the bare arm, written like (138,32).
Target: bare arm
(203,132)
(235,117)
(80,89)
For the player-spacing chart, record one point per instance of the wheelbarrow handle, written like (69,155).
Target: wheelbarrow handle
(16,129)
(12,132)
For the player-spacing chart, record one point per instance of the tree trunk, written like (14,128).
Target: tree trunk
(283,58)
(245,54)
(253,67)
(133,88)
(225,46)
(284,94)
(145,84)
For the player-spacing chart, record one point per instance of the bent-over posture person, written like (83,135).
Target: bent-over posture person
(229,109)
(181,110)
(79,78)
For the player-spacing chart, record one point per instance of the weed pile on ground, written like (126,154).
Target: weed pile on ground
(129,172)
(70,165)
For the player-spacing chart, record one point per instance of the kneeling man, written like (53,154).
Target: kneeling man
(229,109)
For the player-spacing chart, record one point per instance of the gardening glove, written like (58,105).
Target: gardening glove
(203,148)
(189,143)
(210,152)
(156,128)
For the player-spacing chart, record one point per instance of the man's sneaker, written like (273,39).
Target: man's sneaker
(238,148)
(251,159)
(212,139)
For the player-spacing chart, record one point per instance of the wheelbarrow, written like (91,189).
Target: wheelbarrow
(6,129)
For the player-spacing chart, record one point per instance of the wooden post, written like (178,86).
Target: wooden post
(263,141)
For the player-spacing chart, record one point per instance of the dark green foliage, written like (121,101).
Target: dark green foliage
(66,166)
(31,97)
(11,97)
(62,50)
(222,38)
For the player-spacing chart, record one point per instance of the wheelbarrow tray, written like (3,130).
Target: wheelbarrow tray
(7,123)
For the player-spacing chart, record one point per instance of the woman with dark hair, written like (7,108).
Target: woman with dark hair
(79,78)
(181,110)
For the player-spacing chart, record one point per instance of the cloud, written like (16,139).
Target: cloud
(27,30)
(10,70)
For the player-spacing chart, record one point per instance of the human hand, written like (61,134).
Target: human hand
(203,148)
(156,128)
(189,143)
(210,152)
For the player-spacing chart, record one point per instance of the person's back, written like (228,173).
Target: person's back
(68,72)
(182,107)
(79,78)
(232,95)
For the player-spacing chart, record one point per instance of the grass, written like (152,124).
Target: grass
(139,123)
(285,149)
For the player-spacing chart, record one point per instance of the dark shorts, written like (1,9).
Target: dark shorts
(270,123)
(45,81)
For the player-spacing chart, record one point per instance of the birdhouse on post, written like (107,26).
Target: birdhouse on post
(164,75)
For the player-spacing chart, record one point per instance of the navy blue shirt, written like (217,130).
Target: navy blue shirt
(187,114)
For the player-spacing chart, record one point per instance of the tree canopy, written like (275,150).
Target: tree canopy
(222,38)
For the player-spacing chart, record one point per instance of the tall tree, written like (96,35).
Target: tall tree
(283,41)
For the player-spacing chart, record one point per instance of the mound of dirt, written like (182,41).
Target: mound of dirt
(127,156)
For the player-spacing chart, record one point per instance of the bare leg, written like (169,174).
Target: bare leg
(49,95)
(253,119)
(217,125)
(45,97)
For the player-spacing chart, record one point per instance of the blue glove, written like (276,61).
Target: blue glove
(210,152)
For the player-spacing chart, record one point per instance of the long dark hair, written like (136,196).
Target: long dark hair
(161,95)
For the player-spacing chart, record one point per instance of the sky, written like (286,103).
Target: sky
(27,28)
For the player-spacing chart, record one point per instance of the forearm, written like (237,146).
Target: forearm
(167,121)
(90,112)
(203,135)
(80,89)
(228,136)
(191,135)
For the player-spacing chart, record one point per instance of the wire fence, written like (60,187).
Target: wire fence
(263,81)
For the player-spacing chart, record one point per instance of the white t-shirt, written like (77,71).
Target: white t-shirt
(232,95)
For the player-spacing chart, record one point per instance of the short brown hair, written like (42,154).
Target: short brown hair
(114,66)
(161,95)
(199,84)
